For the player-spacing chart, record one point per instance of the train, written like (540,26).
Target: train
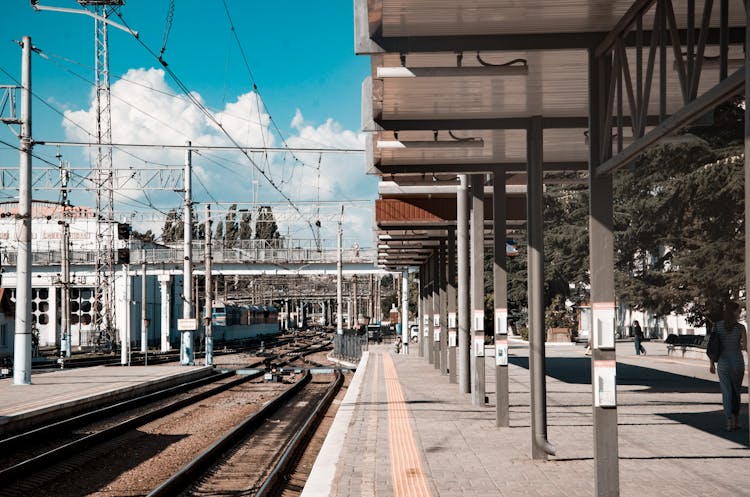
(241,321)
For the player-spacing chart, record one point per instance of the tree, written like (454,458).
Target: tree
(685,251)
(245,231)
(147,237)
(265,224)
(173,229)
(231,229)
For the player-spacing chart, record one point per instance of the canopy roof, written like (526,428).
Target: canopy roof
(454,84)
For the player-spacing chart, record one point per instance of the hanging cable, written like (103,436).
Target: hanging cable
(167,28)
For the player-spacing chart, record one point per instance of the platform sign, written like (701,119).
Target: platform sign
(189,324)
(501,352)
(479,346)
(605,388)
(452,320)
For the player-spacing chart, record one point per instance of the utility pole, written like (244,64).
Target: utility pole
(144,318)
(22,341)
(65,267)
(209,293)
(65,292)
(339,278)
(186,344)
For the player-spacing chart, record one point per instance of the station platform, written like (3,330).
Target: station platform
(403,430)
(68,392)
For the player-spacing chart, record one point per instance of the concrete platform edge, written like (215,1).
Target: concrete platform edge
(25,420)
(324,470)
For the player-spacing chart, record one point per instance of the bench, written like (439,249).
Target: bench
(686,344)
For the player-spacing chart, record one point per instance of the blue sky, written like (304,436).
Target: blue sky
(301,56)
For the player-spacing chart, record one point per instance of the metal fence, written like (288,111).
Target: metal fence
(348,346)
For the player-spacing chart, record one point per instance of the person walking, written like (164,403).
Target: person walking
(731,365)
(638,334)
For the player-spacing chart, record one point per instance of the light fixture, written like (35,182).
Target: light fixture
(515,67)
(454,142)
(397,144)
(450,72)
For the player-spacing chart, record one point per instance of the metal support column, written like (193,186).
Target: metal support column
(464,318)
(540,447)
(436,288)
(186,344)
(166,307)
(747,151)
(144,313)
(65,337)
(421,320)
(22,340)
(601,254)
(443,345)
(500,285)
(430,345)
(452,322)
(209,292)
(405,312)
(477,287)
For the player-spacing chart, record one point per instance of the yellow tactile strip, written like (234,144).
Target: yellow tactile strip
(408,476)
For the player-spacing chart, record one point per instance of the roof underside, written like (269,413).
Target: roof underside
(469,116)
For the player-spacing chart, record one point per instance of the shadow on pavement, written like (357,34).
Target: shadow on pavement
(711,422)
(577,370)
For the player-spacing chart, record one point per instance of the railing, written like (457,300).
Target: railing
(348,346)
(256,255)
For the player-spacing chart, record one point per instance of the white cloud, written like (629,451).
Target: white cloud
(145,110)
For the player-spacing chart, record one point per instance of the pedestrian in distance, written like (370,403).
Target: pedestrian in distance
(731,365)
(638,334)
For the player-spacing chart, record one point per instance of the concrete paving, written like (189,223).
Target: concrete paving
(671,430)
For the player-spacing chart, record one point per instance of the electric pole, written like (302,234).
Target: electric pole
(209,293)
(22,340)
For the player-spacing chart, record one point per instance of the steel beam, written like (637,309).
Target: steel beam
(725,89)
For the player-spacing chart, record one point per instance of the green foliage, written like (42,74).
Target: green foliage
(558,316)
(245,231)
(265,224)
(173,229)
(147,237)
(679,221)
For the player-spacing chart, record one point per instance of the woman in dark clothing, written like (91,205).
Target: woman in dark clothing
(731,366)
(638,334)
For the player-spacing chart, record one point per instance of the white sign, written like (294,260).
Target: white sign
(501,321)
(479,346)
(501,352)
(436,336)
(604,325)
(478,320)
(452,320)
(190,324)
(452,338)
(605,386)
(436,320)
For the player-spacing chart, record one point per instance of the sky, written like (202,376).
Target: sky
(269,73)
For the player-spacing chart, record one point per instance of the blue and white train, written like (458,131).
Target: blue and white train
(237,322)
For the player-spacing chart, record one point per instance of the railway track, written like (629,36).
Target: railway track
(256,456)
(90,448)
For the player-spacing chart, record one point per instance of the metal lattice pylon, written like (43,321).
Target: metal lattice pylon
(104,309)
